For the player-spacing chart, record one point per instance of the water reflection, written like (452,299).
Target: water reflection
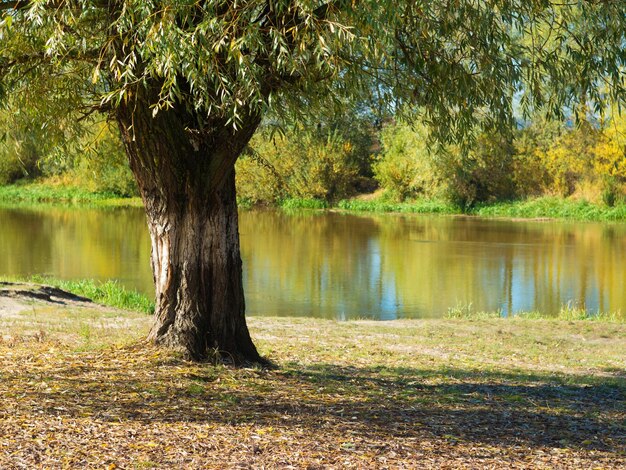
(76,243)
(343,266)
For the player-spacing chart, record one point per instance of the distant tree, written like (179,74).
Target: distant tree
(406,166)
(189,81)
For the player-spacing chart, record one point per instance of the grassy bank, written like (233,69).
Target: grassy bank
(553,207)
(34,193)
(110,293)
(543,207)
(567,312)
(425,206)
(537,208)
(80,389)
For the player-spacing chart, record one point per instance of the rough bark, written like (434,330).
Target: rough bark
(187,182)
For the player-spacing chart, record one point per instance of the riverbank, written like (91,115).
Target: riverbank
(112,293)
(38,193)
(536,208)
(81,389)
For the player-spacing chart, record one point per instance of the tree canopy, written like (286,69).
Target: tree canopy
(188,82)
(460,60)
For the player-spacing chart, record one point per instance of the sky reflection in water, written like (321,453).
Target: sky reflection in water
(344,266)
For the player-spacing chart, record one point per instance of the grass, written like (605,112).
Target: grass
(110,293)
(542,207)
(553,207)
(76,329)
(424,206)
(450,393)
(567,312)
(303,203)
(35,193)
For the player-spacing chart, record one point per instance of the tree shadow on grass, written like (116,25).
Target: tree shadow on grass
(485,407)
(457,405)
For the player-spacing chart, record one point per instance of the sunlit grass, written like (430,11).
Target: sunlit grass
(81,329)
(303,203)
(111,293)
(38,193)
(420,206)
(567,312)
(553,207)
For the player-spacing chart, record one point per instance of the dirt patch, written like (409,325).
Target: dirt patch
(19,297)
(10,307)
(26,292)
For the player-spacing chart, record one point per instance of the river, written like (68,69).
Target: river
(343,266)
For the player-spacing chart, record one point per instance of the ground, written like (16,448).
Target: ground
(80,389)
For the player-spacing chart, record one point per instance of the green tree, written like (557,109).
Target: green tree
(481,174)
(188,82)
(405,167)
(300,163)
(26,141)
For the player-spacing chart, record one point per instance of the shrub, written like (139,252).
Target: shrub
(569,159)
(409,168)
(530,174)
(298,164)
(20,150)
(103,166)
(93,158)
(405,166)
(609,160)
(12,167)
(483,174)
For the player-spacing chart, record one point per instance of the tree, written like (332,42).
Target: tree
(188,82)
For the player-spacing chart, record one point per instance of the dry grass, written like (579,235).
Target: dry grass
(407,394)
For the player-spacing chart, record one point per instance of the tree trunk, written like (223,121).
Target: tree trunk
(187,183)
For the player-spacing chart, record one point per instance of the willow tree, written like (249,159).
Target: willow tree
(188,82)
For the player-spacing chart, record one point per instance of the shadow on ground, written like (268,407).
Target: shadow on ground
(455,405)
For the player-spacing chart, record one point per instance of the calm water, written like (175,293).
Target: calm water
(344,266)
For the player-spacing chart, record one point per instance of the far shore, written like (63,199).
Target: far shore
(534,209)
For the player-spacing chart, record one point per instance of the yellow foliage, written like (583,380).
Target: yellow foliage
(103,165)
(405,168)
(610,151)
(569,159)
(298,165)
